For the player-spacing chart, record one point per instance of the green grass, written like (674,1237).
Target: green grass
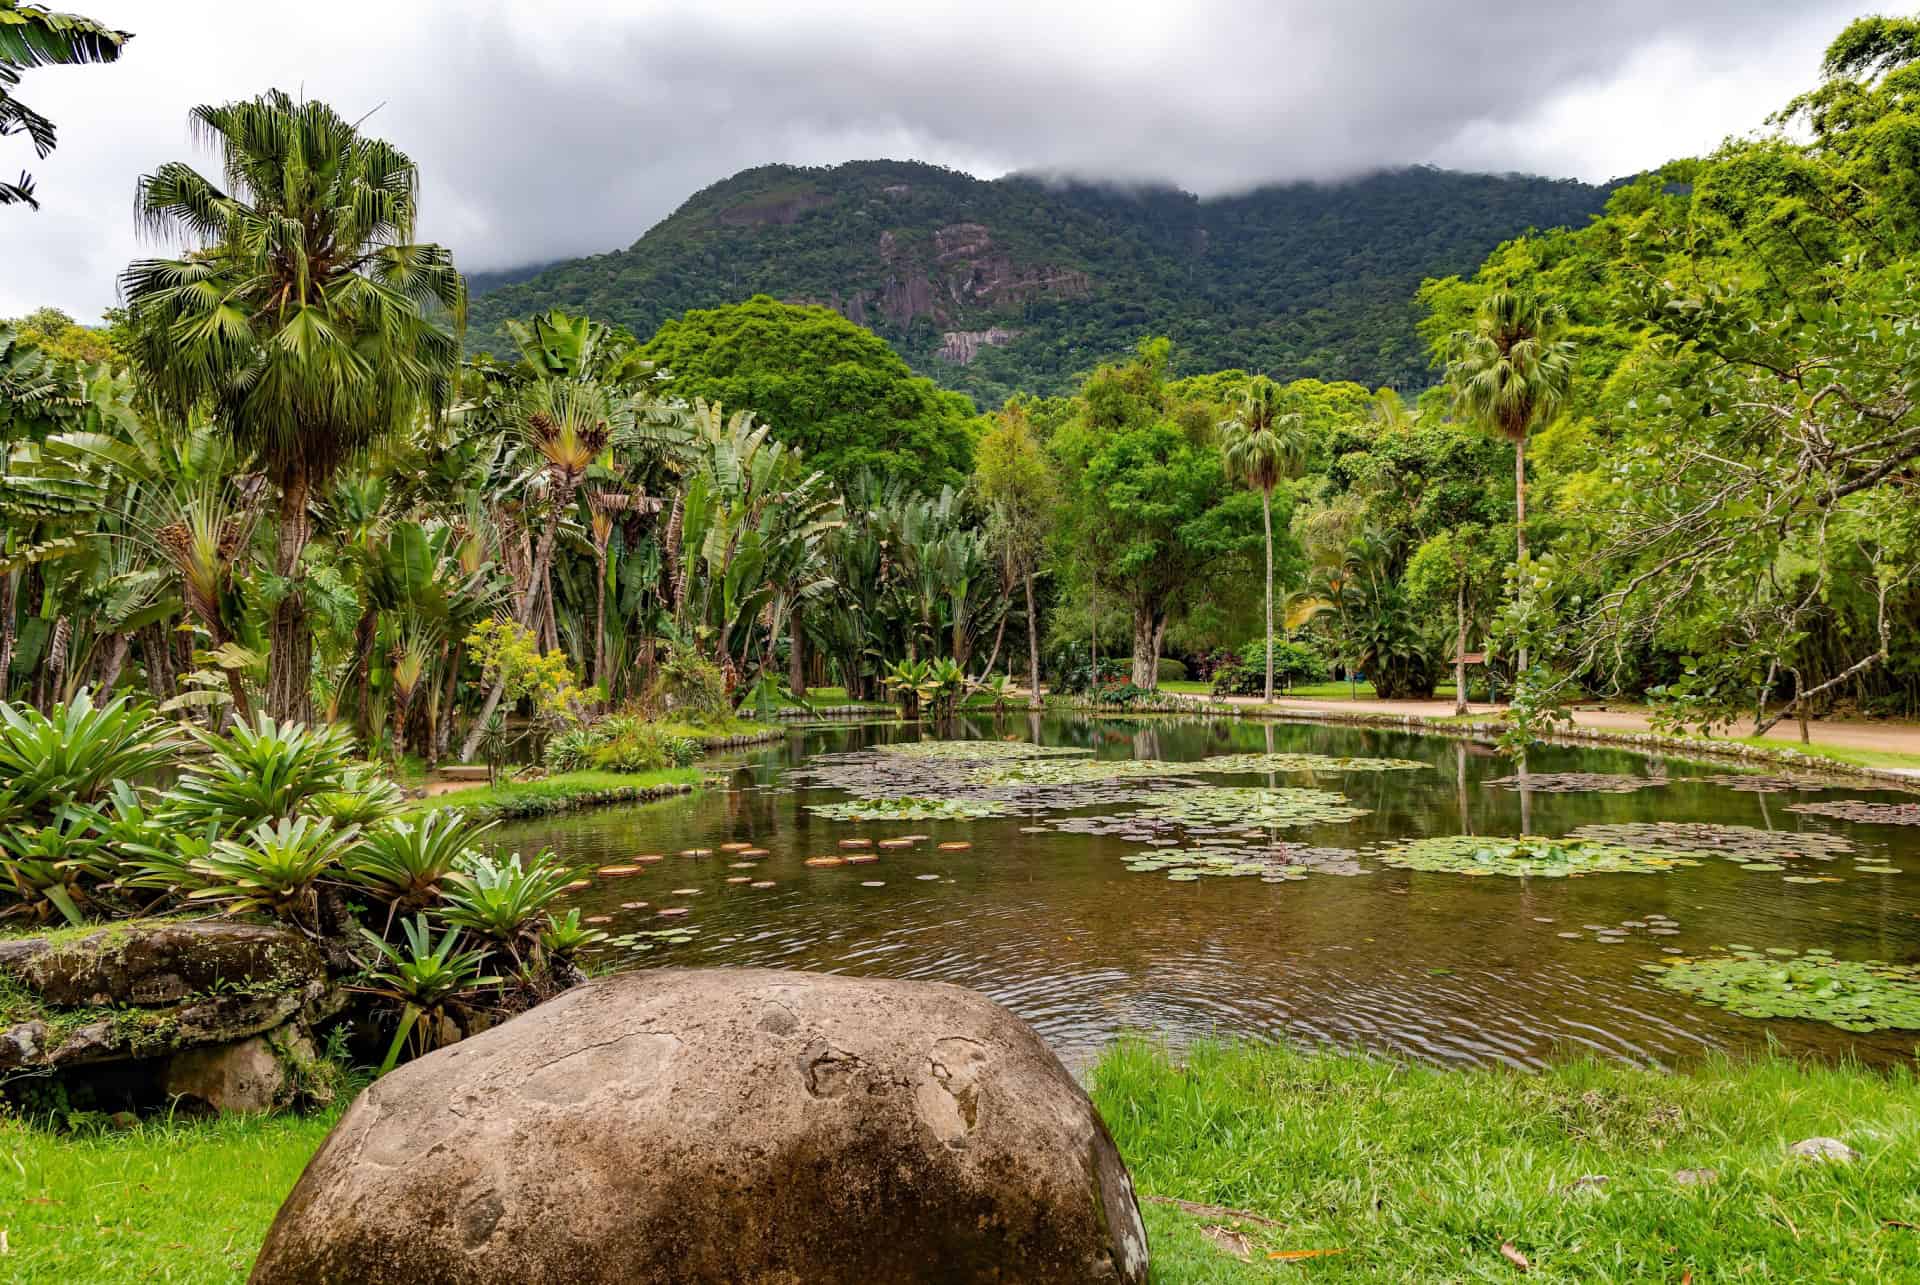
(161,1202)
(1414,1173)
(1837,753)
(1302,691)
(1421,1174)
(549,793)
(827,698)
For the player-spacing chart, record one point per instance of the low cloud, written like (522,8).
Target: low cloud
(548,130)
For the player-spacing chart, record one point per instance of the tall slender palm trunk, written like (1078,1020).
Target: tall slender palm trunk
(1460,647)
(290,643)
(1033,647)
(1266,520)
(1520,518)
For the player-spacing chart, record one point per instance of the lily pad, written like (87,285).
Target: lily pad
(1527,856)
(980,751)
(1739,842)
(1282,863)
(909,809)
(1242,809)
(1578,782)
(1862,811)
(1854,996)
(1261,764)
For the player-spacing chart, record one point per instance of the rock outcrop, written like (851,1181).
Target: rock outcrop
(214,1012)
(960,346)
(722,1126)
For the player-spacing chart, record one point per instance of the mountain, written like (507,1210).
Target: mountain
(1020,283)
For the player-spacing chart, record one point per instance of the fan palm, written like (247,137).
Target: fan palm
(302,315)
(1512,373)
(1263,443)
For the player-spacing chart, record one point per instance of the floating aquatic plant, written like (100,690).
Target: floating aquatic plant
(1248,808)
(1854,996)
(1578,782)
(1076,771)
(1861,810)
(980,751)
(1762,783)
(1257,764)
(1285,863)
(910,809)
(1531,855)
(653,939)
(1738,842)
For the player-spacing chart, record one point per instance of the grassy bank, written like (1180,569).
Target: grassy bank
(1418,1174)
(176,1203)
(1412,1173)
(563,792)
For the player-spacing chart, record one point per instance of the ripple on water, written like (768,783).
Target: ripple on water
(1436,966)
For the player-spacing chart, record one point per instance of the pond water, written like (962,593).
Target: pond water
(1441,966)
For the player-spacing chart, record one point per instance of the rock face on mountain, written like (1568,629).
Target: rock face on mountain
(722,1126)
(1299,280)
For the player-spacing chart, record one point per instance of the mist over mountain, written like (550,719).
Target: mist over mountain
(1023,281)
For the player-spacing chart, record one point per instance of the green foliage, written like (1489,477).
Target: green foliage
(568,937)
(694,686)
(909,809)
(620,743)
(830,389)
(405,861)
(504,900)
(274,867)
(1245,674)
(508,655)
(31,36)
(1815,987)
(258,773)
(73,754)
(1307,278)
(1537,857)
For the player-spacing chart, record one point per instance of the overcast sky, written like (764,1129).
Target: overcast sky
(560,127)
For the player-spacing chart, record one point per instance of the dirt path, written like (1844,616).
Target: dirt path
(1899,738)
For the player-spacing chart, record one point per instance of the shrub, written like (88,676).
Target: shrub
(619,743)
(72,755)
(1170,670)
(263,772)
(1246,674)
(694,686)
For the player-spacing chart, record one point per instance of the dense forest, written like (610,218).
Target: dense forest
(1022,285)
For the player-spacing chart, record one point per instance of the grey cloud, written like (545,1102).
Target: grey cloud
(546,130)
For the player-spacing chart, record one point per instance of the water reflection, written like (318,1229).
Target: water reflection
(1437,966)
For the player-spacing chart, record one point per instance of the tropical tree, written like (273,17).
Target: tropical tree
(1512,373)
(1012,477)
(31,36)
(303,316)
(1262,443)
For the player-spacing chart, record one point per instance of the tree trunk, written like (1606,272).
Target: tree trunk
(57,652)
(443,730)
(1520,520)
(796,656)
(529,606)
(600,624)
(1096,633)
(363,636)
(115,661)
(1143,666)
(1460,648)
(993,657)
(290,645)
(1033,648)
(9,605)
(1266,521)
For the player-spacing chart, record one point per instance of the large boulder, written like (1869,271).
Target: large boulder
(721,1126)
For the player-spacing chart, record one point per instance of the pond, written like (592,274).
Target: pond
(1064,909)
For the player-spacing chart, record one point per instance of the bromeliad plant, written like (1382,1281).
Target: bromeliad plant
(277,868)
(406,863)
(426,978)
(505,901)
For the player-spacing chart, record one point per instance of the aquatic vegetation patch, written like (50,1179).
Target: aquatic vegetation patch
(1577,782)
(1743,843)
(1764,783)
(1529,855)
(1256,764)
(1863,811)
(652,939)
(1283,863)
(1868,995)
(910,809)
(1235,808)
(979,751)
(1076,771)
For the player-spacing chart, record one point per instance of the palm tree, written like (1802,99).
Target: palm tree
(1512,373)
(34,37)
(302,316)
(1263,443)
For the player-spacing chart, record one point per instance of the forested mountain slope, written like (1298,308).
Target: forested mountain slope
(1021,283)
